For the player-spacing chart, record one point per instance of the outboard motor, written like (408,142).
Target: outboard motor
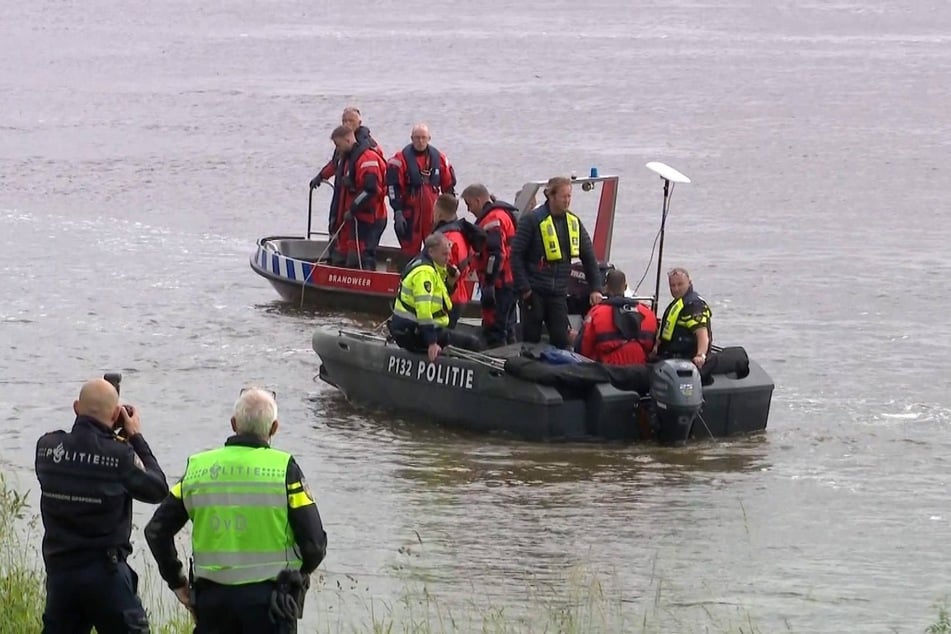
(677,396)
(579,290)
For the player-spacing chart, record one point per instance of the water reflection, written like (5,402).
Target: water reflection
(319,315)
(439,456)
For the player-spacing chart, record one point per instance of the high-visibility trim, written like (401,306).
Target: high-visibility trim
(244,558)
(231,485)
(202,500)
(298,500)
(239,575)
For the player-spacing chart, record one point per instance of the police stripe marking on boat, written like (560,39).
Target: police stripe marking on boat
(434,373)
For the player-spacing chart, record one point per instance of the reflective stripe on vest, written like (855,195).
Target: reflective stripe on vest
(678,333)
(237,500)
(550,237)
(412,297)
(670,319)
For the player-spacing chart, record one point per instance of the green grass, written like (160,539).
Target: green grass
(344,605)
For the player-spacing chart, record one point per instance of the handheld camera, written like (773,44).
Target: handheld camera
(115,378)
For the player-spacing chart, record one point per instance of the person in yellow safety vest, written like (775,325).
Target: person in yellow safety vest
(685,331)
(256,531)
(420,319)
(546,241)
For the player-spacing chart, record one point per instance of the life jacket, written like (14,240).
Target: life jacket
(492,219)
(550,242)
(345,167)
(463,251)
(346,191)
(362,135)
(624,331)
(678,334)
(413,174)
(508,208)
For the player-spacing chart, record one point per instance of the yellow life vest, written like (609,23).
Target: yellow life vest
(550,237)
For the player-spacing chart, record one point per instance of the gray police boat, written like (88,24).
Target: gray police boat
(512,390)
(526,390)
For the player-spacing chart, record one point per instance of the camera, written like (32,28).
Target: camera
(115,378)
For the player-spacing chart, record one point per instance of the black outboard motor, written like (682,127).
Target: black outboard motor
(579,291)
(677,396)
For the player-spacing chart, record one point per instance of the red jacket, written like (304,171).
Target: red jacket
(414,180)
(458,257)
(366,176)
(618,331)
(493,264)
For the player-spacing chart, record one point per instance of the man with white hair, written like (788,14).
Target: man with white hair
(415,176)
(256,531)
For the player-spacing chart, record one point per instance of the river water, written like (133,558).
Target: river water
(143,149)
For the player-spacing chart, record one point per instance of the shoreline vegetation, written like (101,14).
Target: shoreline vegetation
(582,605)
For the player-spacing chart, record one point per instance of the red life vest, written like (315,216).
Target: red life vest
(619,331)
(415,180)
(458,257)
(500,218)
(349,181)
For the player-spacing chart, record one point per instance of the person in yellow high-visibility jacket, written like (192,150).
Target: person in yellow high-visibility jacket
(420,319)
(685,331)
(256,531)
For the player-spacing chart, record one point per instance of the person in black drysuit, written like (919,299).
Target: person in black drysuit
(88,479)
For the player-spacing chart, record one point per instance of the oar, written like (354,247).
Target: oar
(317,262)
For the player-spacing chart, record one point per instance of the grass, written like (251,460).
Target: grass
(348,607)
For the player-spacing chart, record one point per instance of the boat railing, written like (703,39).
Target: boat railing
(363,335)
(640,298)
(495,363)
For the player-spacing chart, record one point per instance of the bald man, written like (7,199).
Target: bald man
(415,177)
(88,479)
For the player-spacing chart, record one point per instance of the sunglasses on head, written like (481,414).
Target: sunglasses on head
(271,392)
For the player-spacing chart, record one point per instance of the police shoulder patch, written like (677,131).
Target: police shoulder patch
(428,286)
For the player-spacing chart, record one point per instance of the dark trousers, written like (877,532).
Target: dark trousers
(221,609)
(361,251)
(411,340)
(96,595)
(499,321)
(454,315)
(551,310)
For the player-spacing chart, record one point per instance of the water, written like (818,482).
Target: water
(142,151)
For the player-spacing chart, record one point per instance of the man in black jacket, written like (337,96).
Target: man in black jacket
(256,530)
(546,240)
(88,479)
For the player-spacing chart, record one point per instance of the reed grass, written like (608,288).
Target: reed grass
(580,604)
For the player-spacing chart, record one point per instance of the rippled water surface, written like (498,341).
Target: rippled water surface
(143,149)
